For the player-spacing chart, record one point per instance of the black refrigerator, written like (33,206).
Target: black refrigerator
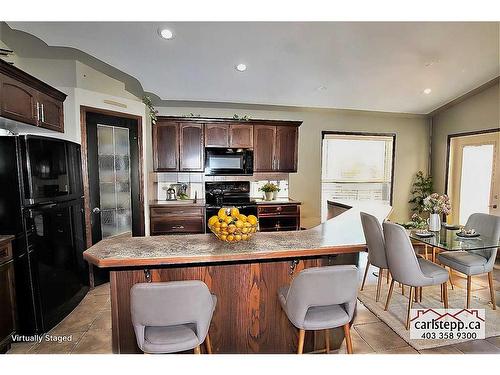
(41,203)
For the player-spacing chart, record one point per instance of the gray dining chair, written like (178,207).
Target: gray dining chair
(476,262)
(408,269)
(172,316)
(321,298)
(375,243)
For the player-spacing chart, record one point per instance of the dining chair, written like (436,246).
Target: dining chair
(408,269)
(375,243)
(321,298)
(172,316)
(476,262)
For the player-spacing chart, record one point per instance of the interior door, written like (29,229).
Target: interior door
(474,178)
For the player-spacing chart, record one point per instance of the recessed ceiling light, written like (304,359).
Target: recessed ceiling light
(427,91)
(241,67)
(166,34)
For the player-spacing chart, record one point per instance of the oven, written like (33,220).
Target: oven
(228,161)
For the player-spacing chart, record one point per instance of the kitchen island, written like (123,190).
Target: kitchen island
(245,276)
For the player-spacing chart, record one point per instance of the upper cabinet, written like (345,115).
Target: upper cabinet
(179,143)
(178,146)
(275,148)
(26,99)
(229,135)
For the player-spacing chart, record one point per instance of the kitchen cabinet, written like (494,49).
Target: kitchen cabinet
(177,219)
(26,99)
(217,135)
(192,152)
(275,148)
(279,217)
(232,135)
(166,146)
(7,296)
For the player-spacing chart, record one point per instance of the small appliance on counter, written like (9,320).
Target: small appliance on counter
(171,196)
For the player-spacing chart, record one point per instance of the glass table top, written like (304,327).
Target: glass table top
(447,239)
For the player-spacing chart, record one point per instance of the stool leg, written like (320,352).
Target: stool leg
(402,289)
(451,278)
(426,255)
(445,294)
(410,303)
(379,283)
(469,287)
(302,334)
(348,341)
(327,341)
(492,291)
(208,344)
(388,276)
(197,350)
(389,295)
(364,277)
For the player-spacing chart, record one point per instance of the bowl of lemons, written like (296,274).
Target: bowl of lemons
(231,226)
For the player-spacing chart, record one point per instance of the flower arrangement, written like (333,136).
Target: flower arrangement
(422,187)
(269,187)
(437,204)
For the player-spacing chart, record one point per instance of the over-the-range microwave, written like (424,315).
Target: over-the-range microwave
(228,161)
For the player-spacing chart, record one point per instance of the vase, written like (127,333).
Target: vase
(275,195)
(268,195)
(434,222)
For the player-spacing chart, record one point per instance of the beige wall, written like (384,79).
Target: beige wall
(411,148)
(478,112)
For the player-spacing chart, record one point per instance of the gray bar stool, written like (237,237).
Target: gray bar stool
(172,316)
(476,262)
(321,298)
(409,270)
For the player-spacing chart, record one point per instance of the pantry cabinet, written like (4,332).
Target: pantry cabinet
(275,148)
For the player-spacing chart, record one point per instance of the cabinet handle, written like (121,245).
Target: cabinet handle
(178,227)
(43,113)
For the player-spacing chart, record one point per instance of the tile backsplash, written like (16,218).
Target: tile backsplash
(196,183)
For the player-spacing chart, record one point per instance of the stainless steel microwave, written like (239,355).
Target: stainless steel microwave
(228,161)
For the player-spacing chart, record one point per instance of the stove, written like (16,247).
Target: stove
(228,194)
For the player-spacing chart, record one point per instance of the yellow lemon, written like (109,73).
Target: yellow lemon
(248,225)
(213,220)
(239,224)
(222,213)
(237,237)
(235,212)
(217,223)
(231,228)
(217,230)
(244,237)
(230,237)
(228,219)
(223,237)
(242,217)
(252,219)
(244,230)
(223,225)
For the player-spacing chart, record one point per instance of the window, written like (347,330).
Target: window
(356,167)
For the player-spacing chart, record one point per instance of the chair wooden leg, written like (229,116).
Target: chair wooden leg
(364,277)
(402,289)
(420,294)
(492,290)
(389,295)
(410,303)
(348,341)
(327,341)
(197,350)
(445,294)
(415,294)
(379,283)
(442,296)
(434,254)
(388,276)
(208,344)
(451,278)
(469,287)
(302,335)
(426,254)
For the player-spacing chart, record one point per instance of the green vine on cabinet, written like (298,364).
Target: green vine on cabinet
(153,113)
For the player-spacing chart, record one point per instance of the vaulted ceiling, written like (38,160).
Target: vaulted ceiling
(368,66)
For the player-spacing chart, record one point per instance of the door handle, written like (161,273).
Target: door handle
(96,210)
(493,206)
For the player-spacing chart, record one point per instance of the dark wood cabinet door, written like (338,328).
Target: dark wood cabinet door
(166,146)
(241,136)
(51,113)
(7,303)
(18,101)
(216,135)
(264,139)
(286,149)
(191,156)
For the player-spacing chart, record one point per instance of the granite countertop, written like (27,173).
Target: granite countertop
(342,234)
(277,201)
(178,202)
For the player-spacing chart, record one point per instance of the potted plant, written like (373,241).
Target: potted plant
(436,205)
(269,188)
(422,188)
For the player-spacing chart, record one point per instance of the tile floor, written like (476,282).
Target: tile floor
(90,327)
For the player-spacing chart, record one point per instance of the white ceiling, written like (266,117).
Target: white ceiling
(368,66)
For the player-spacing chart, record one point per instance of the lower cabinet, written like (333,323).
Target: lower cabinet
(7,296)
(279,217)
(177,220)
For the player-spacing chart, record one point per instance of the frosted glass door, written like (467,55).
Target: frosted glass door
(113,151)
